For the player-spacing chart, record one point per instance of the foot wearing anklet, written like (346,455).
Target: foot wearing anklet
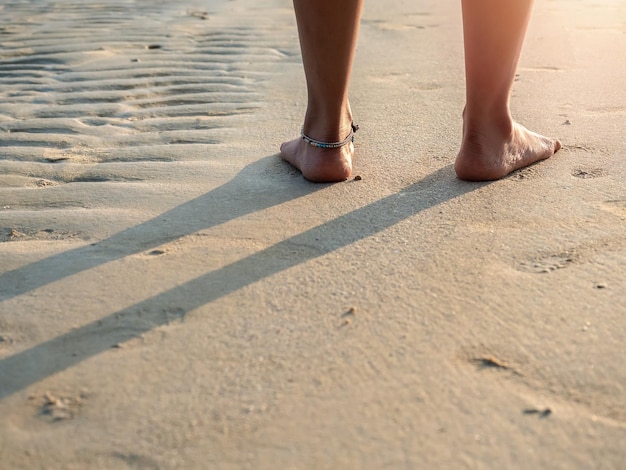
(321,162)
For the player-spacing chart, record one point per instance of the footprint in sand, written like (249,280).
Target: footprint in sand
(54,407)
(589,173)
(547,264)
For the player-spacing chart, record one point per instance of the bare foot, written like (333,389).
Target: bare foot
(493,154)
(317,164)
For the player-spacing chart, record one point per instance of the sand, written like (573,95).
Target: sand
(173,295)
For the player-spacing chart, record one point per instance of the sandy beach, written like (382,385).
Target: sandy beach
(174,296)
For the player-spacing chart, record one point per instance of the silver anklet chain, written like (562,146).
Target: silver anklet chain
(330,145)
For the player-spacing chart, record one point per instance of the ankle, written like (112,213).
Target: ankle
(488,123)
(328,127)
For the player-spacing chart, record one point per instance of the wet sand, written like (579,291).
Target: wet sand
(173,295)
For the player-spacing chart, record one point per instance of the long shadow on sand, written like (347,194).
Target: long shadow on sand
(253,189)
(242,195)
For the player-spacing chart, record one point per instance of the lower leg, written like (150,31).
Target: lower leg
(328,32)
(493,144)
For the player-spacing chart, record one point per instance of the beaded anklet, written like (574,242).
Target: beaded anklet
(331,145)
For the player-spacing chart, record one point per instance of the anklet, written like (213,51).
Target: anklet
(331,145)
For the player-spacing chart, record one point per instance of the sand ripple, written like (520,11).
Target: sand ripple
(119,92)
